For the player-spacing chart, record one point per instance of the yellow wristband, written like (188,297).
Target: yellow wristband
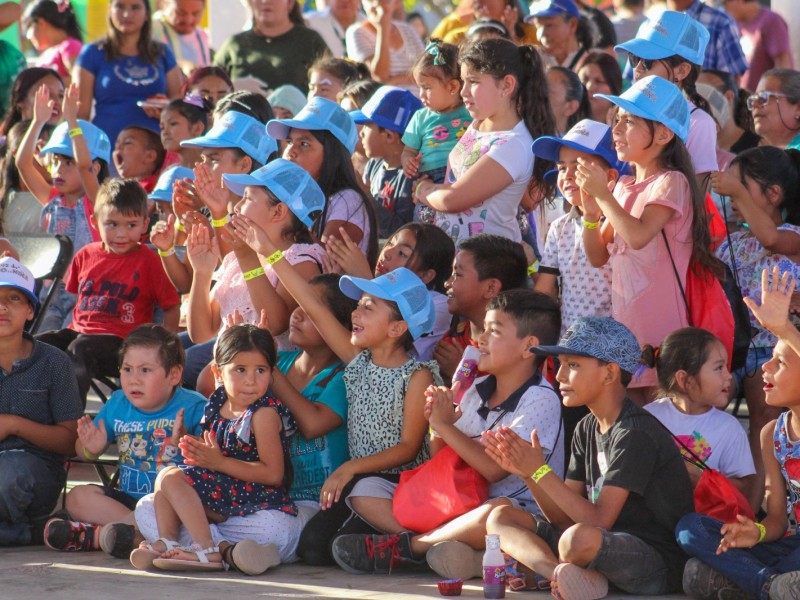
(220,222)
(275,257)
(541,472)
(257,272)
(166,253)
(533,268)
(762,532)
(75,132)
(93,457)
(180,227)
(590,225)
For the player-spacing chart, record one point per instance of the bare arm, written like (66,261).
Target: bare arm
(42,109)
(174,83)
(547,283)
(204,319)
(10,13)
(485,179)
(59,438)
(85,81)
(172,317)
(80,149)
(313,419)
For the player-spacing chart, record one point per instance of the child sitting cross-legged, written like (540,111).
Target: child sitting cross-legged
(146,418)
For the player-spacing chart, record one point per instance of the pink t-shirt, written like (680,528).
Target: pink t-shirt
(644,293)
(763,38)
(59,56)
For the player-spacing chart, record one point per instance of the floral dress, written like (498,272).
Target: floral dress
(226,495)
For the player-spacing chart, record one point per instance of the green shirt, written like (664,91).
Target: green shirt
(11,63)
(275,61)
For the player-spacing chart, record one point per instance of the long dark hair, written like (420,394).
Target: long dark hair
(767,166)
(498,57)
(346,71)
(608,66)
(434,250)
(686,350)
(340,305)
(9,174)
(148,50)
(59,15)
(688,85)
(27,80)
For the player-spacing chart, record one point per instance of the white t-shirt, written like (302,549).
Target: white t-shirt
(189,47)
(497,214)
(715,436)
(702,143)
(325,24)
(361,42)
(348,206)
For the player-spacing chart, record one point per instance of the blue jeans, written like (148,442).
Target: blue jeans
(59,312)
(197,357)
(756,357)
(29,490)
(749,568)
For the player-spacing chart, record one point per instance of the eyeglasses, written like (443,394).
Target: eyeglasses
(762,98)
(647,63)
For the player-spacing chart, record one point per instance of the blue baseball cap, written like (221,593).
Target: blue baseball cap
(656,99)
(586,136)
(236,130)
(553,8)
(402,287)
(14,274)
(673,33)
(96,139)
(389,107)
(290,183)
(320,114)
(598,337)
(162,192)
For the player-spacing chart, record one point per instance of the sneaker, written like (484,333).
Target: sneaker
(250,557)
(118,539)
(358,553)
(455,560)
(704,583)
(571,582)
(70,536)
(785,586)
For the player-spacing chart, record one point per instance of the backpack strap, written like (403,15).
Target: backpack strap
(678,279)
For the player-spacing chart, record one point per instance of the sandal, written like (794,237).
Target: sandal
(251,558)
(142,558)
(201,564)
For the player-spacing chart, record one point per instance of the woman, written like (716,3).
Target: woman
(24,89)
(776,108)
(564,34)
(124,68)
(278,50)
(388,47)
(599,72)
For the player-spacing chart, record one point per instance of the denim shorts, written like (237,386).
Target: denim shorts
(756,357)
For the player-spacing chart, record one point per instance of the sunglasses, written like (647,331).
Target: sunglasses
(760,99)
(647,63)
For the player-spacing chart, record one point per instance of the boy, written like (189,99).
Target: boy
(513,394)
(39,411)
(384,118)
(119,281)
(146,418)
(138,154)
(484,266)
(613,517)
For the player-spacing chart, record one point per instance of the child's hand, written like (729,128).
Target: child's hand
(209,193)
(184,197)
(741,534)
(776,297)
(330,266)
(178,428)
(725,184)
(201,451)
(92,435)
(255,237)
(42,105)
(411,165)
(71,104)
(162,235)
(512,453)
(348,256)
(592,178)
(439,407)
(448,353)
(421,189)
(333,486)
(202,250)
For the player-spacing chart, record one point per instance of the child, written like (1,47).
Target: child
(693,376)
(118,281)
(746,558)
(328,76)
(53,30)
(146,419)
(512,394)
(183,119)
(162,196)
(39,431)
(237,467)
(651,126)
(286,101)
(434,130)
(585,291)
(491,166)
(210,83)
(138,154)
(612,519)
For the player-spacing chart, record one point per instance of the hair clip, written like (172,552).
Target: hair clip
(433,50)
(194,100)
(63,6)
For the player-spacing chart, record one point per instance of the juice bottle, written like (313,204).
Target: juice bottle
(494,574)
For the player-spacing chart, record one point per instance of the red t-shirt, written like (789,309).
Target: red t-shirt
(117,292)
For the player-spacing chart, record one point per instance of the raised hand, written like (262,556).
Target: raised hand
(347,255)
(592,178)
(776,298)
(202,250)
(253,235)
(184,197)
(92,435)
(71,104)
(42,105)
(725,183)
(162,235)
(209,193)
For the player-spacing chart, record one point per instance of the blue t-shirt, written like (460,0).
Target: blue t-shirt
(314,460)
(119,84)
(434,135)
(143,438)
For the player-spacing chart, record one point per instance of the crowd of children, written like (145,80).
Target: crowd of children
(307,295)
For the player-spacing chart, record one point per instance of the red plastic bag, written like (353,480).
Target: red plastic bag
(438,491)
(717,497)
(709,307)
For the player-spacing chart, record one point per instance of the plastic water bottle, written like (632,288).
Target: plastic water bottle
(466,372)
(494,573)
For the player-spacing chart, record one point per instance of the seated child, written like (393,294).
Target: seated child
(146,419)
(625,488)
(119,281)
(385,117)
(39,408)
(138,154)
(514,395)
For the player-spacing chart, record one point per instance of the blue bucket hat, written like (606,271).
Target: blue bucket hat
(14,274)
(656,99)
(673,33)
(389,107)
(598,337)
(553,8)
(162,192)
(290,183)
(586,136)
(96,139)
(320,114)
(236,130)
(402,287)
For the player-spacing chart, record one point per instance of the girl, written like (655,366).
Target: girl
(321,138)
(237,467)
(568,98)
(211,83)
(434,130)
(52,28)
(599,72)
(181,120)
(651,124)
(424,249)
(694,379)
(491,165)
(386,430)
(24,91)
(758,559)
(327,77)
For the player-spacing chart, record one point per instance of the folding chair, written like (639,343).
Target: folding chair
(48,257)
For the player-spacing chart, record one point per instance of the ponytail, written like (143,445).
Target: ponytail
(59,15)
(585,33)
(685,350)
(690,90)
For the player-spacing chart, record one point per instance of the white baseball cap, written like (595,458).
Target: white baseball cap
(15,275)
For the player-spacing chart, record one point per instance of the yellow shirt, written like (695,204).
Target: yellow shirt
(448,24)
(456,36)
